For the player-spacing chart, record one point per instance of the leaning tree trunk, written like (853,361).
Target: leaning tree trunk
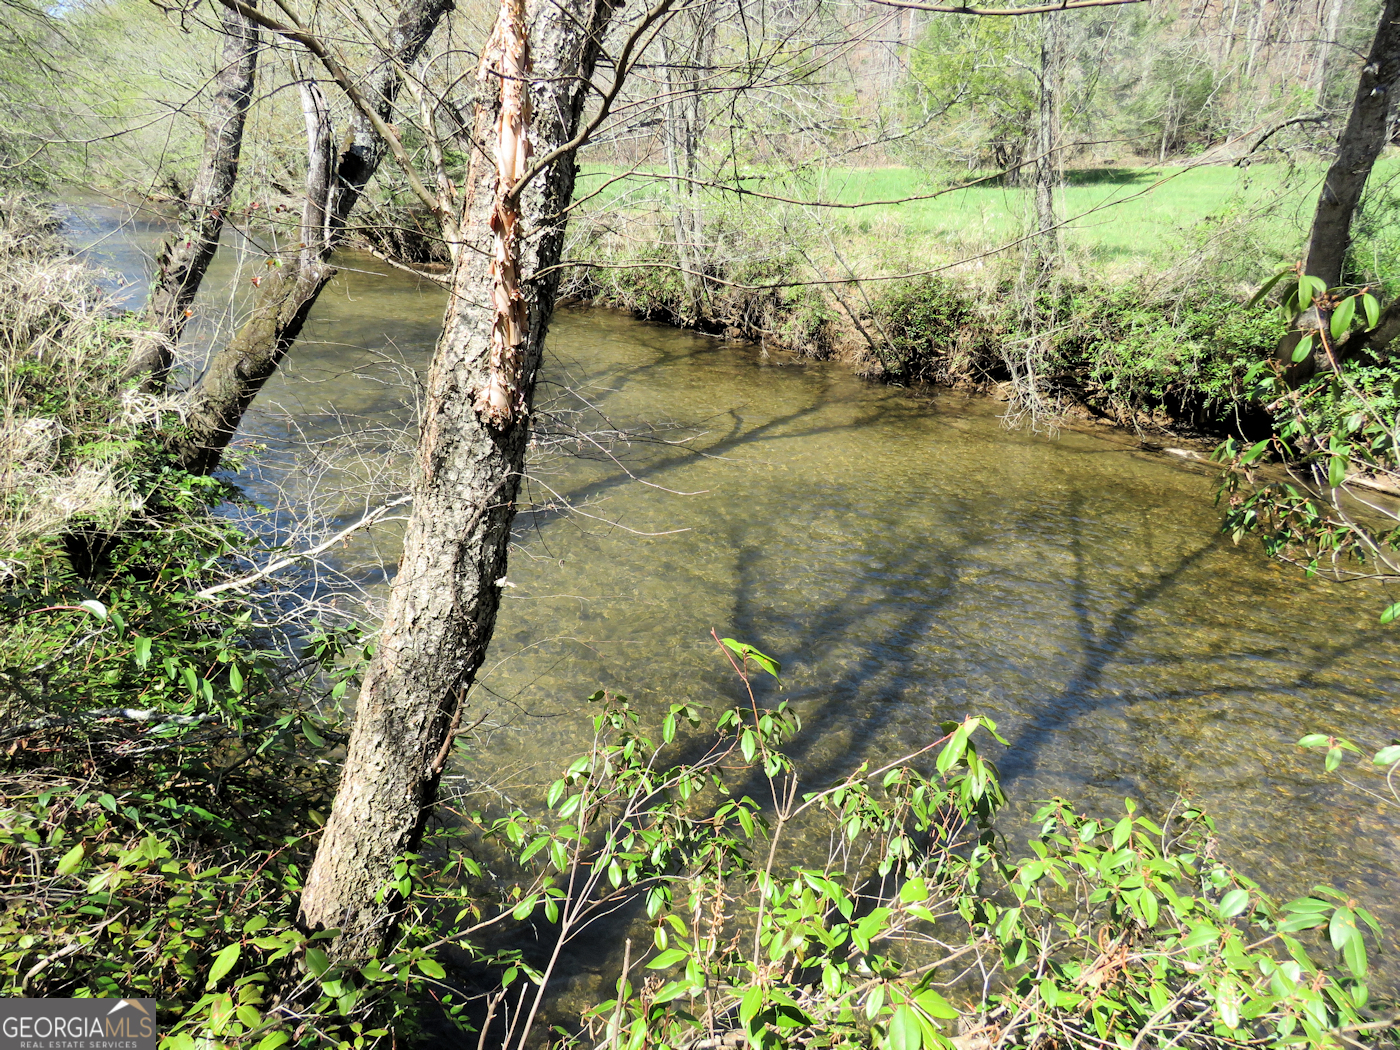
(471,453)
(1359,145)
(237,373)
(1357,149)
(186,255)
(286,294)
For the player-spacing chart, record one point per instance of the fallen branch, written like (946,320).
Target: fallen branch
(281,563)
(1312,118)
(130,714)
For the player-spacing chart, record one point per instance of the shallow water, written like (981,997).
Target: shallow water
(909,560)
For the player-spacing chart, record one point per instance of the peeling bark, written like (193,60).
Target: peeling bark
(185,257)
(507,62)
(442,609)
(285,297)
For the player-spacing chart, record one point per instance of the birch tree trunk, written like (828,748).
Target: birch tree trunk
(185,257)
(1257,28)
(475,428)
(1323,56)
(287,292)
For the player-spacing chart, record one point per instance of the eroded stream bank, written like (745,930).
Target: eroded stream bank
(909,560)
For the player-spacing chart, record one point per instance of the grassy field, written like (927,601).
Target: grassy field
(1117,219)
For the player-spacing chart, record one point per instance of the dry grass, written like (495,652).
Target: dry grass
(66,425)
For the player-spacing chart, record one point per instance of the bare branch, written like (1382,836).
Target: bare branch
(126,713)
(1042,9)
(281,563)
(620,71)
(346,83)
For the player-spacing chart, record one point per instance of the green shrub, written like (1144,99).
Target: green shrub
(1133,350)
(936,332)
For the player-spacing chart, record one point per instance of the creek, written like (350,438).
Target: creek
(906,556)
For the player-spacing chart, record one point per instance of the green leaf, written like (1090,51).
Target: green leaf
(1342,317)
(1391,613)
(905,1031)
(95,607)
(1309,288)
(747,652)
(223,963)
(317,962)
(141,652)
(559,854)
(913,890)
(748,744)
(1342,928)
(669,957)
(1255,451)
(273,1040)
(1303,349)
(1355,955)
(1122,831)
(875,1002)
(374,972)
(1302,921)
(750,1004)
(953,749)
(1388,756)
(1268,287)
(70,861)
(1227,1002)
(1337,471)
(313,738)
(432,968)
(933,1004)
(1147,904)
(1201,935)
(1313,740)
(1233,903)
(1372,306)
(674,990)
(1307,904)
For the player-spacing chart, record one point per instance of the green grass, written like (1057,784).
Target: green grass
(1118,218)
(1127,211)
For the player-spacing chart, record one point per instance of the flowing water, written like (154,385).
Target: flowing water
(910,560)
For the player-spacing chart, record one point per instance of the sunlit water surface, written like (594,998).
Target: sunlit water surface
(907,557)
